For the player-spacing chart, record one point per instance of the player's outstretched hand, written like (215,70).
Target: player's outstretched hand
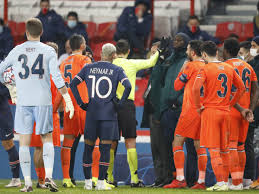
(248,115)
(12,91)
(164,48)
(69,105)
(84,106)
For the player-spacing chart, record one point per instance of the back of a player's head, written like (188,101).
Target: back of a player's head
(122,47)
(231,47)
(246,45)
(76,41)
(34,27)
(210,48)
(108,51)
(53,45)
(195,45)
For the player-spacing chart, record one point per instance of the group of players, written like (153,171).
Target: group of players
(219,99)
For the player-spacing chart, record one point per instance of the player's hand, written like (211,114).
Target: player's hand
(69,105)
(248,115)
(199,110)
(117,103)
(12,91)
(84,106)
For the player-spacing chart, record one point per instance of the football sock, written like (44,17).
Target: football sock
(95,165)
(25,162)
(48,158)
(41,175)
(234,164)
(104,160)
(72,156)
(65,156)
(110,169)
(242,158)
(87,160)
(132,158)
(202,164)
(14,162)
(216,163)
(225,164)
(179,162)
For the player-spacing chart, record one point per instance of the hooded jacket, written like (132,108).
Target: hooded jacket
(128,25)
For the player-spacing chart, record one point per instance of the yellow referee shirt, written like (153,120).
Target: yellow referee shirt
(131,67)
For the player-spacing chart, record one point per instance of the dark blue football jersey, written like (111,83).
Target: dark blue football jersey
(102,80)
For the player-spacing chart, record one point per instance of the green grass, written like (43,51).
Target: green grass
(120,190)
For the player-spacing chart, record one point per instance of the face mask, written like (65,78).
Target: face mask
(71,23)
(253,52)
(242,57)
(1,29)
(193,29)
(45,11)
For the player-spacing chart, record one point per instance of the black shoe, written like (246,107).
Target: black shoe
(157,184)
(114,183)
(73,181)
(138,185)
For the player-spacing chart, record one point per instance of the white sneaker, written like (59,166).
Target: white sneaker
(15,182)
(236,187)
(247,183)
(102,186)
(88,184)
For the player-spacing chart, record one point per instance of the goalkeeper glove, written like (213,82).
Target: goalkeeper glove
(69,105)
(12,91)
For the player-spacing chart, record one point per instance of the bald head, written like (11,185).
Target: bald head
(108,52)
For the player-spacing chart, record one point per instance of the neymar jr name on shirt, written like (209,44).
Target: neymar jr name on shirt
(101,71)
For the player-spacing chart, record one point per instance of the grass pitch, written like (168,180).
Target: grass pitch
(119,190)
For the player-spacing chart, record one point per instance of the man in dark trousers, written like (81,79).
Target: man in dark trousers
(6,40)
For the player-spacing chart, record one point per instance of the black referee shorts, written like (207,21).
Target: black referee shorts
(127,120)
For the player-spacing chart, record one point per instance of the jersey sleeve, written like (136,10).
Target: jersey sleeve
(198,83)
(7,62)
(238,83)
(54,70)
(145,63)
(123,79)
(183,78)
(81,75)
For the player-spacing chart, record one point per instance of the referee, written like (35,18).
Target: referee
(127,114)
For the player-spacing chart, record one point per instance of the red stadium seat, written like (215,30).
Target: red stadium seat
(227,28)
(91,29)
(97,49)
(20,28)
(248,31)
(106,31)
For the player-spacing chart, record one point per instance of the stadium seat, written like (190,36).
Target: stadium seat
(97,48)
(225,29)
(12,26)
(106,31)
(248,31)
(91,29)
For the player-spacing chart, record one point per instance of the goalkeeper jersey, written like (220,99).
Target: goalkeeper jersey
(131,67)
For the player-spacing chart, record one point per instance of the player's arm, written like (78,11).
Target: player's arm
(127,86)
(59,83)
(145,63)
(238,83)
(196,89)
(78,79)
(182,77)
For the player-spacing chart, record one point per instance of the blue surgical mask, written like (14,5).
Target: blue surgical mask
(1,29)
(71,23)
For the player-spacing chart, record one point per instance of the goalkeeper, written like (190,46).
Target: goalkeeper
(127,114)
